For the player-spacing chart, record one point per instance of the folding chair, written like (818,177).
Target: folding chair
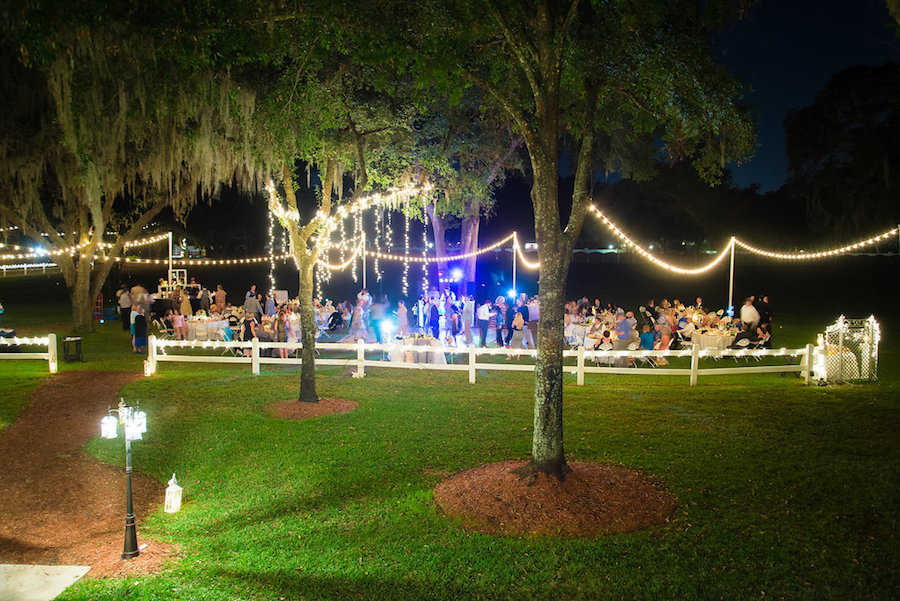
(162,332)
(227,335)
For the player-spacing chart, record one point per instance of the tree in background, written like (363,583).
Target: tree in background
(844,151)
(113,117)
(464,153)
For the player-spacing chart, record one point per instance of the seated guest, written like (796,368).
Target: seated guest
(763,337)
(685,328)
(646,338)
(604,342)
(744,334)
(624,332)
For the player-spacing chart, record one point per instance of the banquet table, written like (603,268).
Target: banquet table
(712,342)
(434,355)
(578,332)
(198,329)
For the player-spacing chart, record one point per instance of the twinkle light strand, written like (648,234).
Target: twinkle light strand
(406,253)
(800,256)
(73,250)
(425,254)
(653,258)
(271,255)
(820,254)
(518,250)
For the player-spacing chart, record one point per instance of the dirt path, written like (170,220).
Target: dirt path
(58,505)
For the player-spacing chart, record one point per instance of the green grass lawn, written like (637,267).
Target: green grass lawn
(784,491)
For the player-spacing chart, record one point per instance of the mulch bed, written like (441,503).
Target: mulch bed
(59,505)
(594,499)
(296,410)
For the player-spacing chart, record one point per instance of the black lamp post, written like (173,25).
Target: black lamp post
(135,422)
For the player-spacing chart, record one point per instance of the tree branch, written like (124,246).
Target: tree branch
(518,116)
(582,194)
(518,42)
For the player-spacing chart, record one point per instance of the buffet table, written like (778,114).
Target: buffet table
(202,329)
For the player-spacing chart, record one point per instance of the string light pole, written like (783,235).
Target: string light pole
(514,245)
(731,280)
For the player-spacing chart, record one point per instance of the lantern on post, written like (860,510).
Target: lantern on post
(173,496)
(135,422)
(108,426)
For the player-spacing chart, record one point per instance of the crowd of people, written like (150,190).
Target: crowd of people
(452,321)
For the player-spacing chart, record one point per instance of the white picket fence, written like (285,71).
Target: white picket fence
(49,341)
(804,357)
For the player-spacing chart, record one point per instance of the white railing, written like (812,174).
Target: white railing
(49,341)
(616,361)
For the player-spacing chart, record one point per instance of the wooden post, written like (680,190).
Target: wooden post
(579,376)
(810,361)
(52,355)
(695,363)
(254,356)
(360,359)
(471,365)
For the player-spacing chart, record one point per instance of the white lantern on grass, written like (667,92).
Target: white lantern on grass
(108,426)
(173,496)
(140,420)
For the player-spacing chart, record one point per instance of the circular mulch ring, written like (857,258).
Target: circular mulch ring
(296,410)
(594,499)
(57,504)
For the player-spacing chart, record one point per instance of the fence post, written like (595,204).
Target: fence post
(471,365)
(360,359)
(810,361)
(254,356)
(52,355)
(695,364)
(841,350)
(579,375)
(151,356)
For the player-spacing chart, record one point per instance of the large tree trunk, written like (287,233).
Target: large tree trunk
(77,276)
(82,306)
(307,331)
(439,228)
(547,452)
(469,244)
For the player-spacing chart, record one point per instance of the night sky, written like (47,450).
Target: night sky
(786,51)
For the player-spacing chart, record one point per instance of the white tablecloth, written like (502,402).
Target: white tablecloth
(712,342)
(435,357)
(204,330)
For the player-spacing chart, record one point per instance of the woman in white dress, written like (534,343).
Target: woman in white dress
(358,325)
(402,320)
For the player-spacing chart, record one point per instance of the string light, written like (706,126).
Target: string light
(72,250)
(271,255)
(653,258)
(804,256)
(518,250)
(424,253)
(801,256)
(426,259)
(405,281)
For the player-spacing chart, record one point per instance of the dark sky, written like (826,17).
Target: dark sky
(786,51)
